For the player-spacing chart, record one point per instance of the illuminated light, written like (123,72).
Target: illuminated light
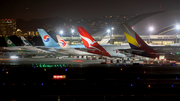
(142,64)
(59,76)
(177,53)
(131,85)
(151,28)
(108,30)
(2,69)
(3,83)
(172,85)
(65,69)
(78,61)
(149,86)
(34,66)
(23,84)
(177,27)
(124,64)
(121,69)
(117,64)
(144,71)
(14,57)
(137,77)
(176,78)
(7,72)
(44,69)
(61,31)
(42,84)
(72,31)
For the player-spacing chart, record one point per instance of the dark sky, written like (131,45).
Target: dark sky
(78,9)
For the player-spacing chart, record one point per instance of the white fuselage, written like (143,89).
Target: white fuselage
(113,50)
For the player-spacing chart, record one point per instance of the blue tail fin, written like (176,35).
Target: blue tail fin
(46,38)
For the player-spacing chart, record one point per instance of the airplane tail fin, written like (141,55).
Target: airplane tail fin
(46,38)
(90,43)
(88,40)
(136,42)
(25,42)
(105,39)
(62,43)
(9,42)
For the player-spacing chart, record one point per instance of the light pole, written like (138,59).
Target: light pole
(109,34)
(177,27)
(72,31)
(112,30)
(151,29)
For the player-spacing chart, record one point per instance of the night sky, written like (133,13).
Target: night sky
(78,9)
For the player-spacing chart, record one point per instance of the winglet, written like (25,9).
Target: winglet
(105,39)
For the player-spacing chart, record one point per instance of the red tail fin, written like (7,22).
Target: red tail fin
(90,42)
(87,39)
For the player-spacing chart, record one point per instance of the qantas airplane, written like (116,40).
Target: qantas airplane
(139,47)
(90,43)
(69,50)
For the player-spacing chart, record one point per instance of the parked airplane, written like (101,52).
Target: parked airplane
(50,43)
(90,43)
(139,47)
(12,46)
(28,46)
(70,50)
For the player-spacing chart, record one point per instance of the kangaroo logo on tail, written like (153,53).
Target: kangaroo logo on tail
(89,43)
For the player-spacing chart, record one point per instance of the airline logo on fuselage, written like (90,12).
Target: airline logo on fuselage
(46,38)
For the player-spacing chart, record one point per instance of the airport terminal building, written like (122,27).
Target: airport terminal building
(159,28)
